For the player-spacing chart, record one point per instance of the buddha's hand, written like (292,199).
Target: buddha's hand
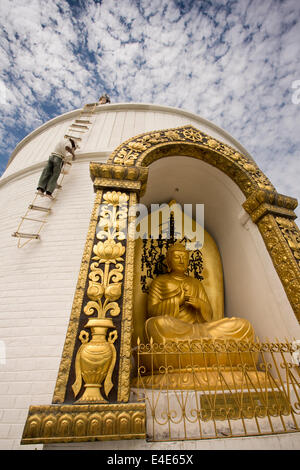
(193,301)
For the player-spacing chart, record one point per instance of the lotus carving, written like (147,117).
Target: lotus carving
(108,251)
(115,198)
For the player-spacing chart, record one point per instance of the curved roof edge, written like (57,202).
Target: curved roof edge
(137,106)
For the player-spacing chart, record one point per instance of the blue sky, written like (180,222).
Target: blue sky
(232,62)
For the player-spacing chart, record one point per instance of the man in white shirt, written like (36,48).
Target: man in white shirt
(51,172)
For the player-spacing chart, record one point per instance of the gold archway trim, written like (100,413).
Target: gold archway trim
(144,149)
(272,212)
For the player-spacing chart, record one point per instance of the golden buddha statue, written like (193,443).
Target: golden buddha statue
(179,313)
(179,308)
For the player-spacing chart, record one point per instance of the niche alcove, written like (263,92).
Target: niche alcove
(252,288)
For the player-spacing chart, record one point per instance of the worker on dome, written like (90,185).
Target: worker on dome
(104,99)
(51,172)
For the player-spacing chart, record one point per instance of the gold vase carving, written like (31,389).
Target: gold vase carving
(95,361)
(96,357)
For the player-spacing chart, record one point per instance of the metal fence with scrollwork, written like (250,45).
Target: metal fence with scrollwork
(217,388)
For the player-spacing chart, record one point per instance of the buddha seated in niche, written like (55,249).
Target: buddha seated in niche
(178,307)
(178,310)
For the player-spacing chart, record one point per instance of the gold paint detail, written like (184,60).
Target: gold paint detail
(142,150)
(265,209)
(82,423)
(261,203)
(282,238)
(111,183)
(127,308)
(65,364)
(117,176)
(291,233)
(96,359)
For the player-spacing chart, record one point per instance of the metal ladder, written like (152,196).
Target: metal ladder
(30,227)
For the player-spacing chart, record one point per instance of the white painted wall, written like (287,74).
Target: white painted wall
(37,282)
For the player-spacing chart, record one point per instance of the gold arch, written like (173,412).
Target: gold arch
(272,212)
(144,149)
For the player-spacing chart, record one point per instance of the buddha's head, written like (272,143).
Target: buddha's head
(177,259)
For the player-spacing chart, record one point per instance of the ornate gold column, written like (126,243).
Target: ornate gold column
(274,215)
(92,393)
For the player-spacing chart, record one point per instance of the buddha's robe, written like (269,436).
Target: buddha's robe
(171,318)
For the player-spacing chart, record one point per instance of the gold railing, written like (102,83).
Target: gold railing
(215,389)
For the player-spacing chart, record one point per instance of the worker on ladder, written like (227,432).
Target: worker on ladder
(104,99)
(48,179)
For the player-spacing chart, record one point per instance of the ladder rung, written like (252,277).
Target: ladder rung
(85,121)
(76,130)
(72,137)
(34,220)
(39,208)
(25,235)
(81,126)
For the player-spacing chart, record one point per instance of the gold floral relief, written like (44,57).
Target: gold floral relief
(127,317)
(96,358)
(65,364)
(291,233)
